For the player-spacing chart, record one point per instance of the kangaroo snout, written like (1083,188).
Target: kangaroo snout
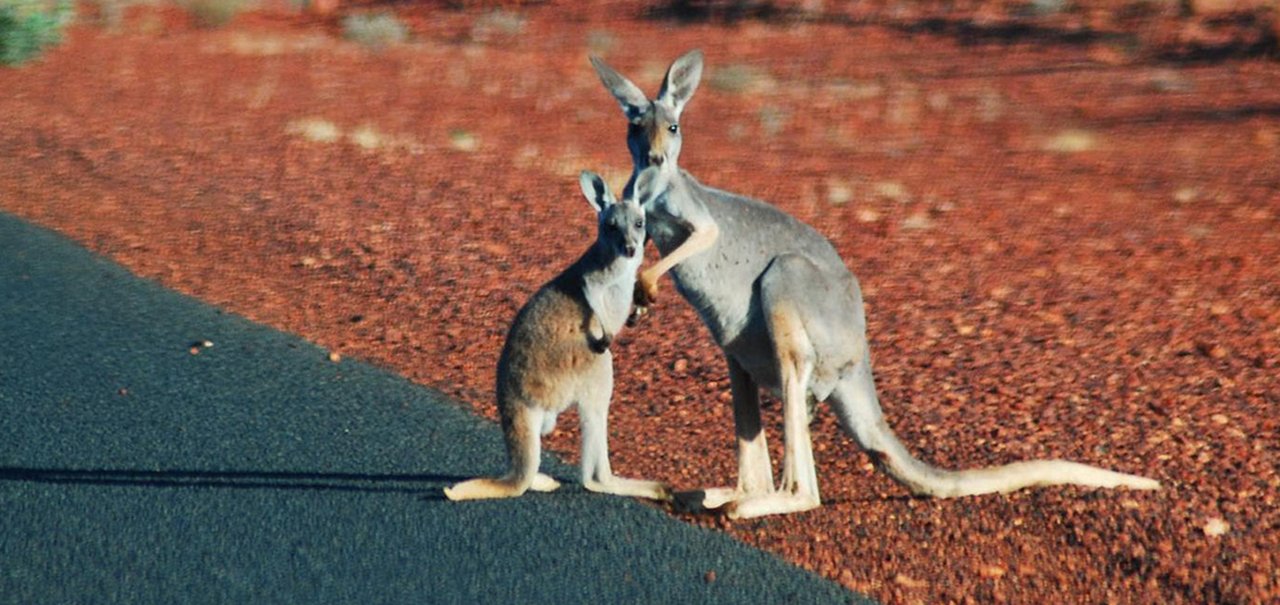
(629,251)
(656,160)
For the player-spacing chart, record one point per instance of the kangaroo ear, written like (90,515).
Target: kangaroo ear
(649,185)
(595,190)
(629,95)
(682,79)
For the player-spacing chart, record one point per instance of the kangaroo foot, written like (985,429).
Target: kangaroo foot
(635,488)
(776,503)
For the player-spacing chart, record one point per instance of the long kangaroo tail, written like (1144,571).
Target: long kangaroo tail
(521,426)
(858,409)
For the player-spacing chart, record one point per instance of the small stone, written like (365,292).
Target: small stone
(463,141)
(892,190)
(1215,527)
(334,356)
(909,582)
(1000,292)
(1169,80)
(709,577)
(1186,195)
(680,366)
(992,571)
(839,192)
(846,577)
(867,215)
(917,222)
(1071,141)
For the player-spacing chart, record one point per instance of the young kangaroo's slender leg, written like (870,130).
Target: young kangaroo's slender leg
(597,474)
(524,452)
(795,358)
(755,470)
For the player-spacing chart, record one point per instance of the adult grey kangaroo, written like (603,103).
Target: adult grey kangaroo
(788,315)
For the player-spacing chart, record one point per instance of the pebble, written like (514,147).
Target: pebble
(909,582)
(992,571)
(1215,527)
(917,222)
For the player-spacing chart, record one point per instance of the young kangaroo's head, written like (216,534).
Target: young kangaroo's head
(621,224)
(653,135)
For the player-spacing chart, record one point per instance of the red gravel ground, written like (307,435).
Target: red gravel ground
(1069,248)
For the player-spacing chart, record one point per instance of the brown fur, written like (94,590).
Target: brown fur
(557,355)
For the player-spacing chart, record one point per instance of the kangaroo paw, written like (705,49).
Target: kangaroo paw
(483,489)
(635,488)
(544,483)
(601,344)
(637,313)
(646,292)
(776,503)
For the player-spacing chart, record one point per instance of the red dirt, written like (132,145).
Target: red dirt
(1067,250)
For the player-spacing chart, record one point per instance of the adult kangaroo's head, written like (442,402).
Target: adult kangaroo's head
(653,132)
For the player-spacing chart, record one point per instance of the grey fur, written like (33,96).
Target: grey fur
(788,315)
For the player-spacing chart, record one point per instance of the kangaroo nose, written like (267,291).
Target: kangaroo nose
(656,160)
(629,250)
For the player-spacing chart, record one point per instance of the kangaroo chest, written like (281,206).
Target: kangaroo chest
(718,282)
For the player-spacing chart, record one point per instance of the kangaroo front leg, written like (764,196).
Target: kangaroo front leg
(702,237)
(755,470)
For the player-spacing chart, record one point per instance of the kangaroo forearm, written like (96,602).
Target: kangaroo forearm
(698,241)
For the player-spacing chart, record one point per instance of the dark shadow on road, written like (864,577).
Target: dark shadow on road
(343,482)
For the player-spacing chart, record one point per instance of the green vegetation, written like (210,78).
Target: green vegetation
(27,27)
(374,30)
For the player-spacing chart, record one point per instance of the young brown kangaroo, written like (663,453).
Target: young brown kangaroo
(557,355)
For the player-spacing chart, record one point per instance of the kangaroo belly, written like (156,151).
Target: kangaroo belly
(546,358)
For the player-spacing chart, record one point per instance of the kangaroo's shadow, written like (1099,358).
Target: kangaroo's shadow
(415,484)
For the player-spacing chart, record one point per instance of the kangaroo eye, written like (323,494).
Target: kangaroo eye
(639,224)
(674,128)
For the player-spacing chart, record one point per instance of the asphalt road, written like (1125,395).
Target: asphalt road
(257,471)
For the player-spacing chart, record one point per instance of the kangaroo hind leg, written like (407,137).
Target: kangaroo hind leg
(795,357)
(755,469)
(524,453)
